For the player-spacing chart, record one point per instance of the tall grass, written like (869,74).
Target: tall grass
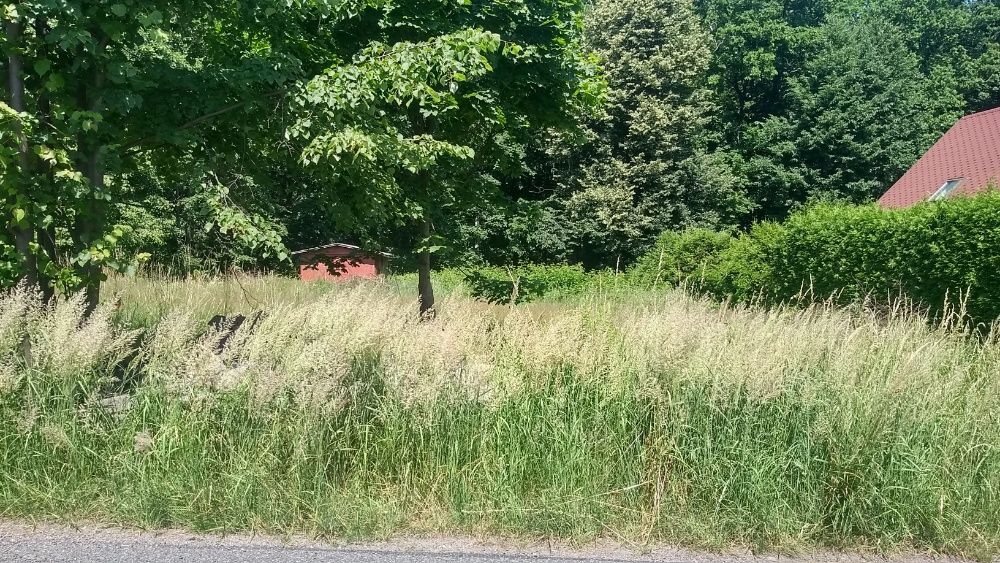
(645,418)
(144,301)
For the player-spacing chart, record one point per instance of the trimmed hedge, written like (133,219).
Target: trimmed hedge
(745,269)
(934,253)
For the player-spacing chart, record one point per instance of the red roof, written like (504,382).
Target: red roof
(970,150)
(349,247)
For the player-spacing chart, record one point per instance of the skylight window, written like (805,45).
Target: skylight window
(945,190)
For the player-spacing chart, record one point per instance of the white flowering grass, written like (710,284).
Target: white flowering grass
(644,417)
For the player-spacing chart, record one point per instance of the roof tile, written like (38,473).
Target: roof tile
(969,150)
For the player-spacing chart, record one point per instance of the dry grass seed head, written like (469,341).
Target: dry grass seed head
(67,345)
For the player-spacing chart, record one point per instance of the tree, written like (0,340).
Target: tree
(407,131)
(836,99)
(649,161)
(956,37)
(863,111)
(98,89)
(757,46)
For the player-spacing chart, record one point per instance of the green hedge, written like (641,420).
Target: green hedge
(496,284)
(680,258)
(932,252)
(747,268)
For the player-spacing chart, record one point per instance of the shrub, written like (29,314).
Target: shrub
(934,253)
(940,255)
(497,284)
(680,258)
(743,270)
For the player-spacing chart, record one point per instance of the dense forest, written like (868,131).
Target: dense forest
(201,136)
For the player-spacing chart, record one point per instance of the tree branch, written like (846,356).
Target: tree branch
(207,117)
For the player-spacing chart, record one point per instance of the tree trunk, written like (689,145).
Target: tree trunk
(90,222)
(424,287)
(45,236)
(23,235)
(47,240)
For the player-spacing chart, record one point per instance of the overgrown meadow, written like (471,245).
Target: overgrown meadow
(638,416)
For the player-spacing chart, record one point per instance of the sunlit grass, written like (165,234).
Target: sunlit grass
(637,416)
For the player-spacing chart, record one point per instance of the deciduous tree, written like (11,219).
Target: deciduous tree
(402,131)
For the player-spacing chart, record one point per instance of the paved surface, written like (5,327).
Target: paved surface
(56,544)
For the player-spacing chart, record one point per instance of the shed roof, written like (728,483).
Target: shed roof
(969,151)
(336,245)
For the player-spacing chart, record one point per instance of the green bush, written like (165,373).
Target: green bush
(680,258)
(941,255)
(497,284)
(934,253)
(744,270)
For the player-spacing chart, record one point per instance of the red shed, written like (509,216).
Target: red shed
(338,262)
(964,161)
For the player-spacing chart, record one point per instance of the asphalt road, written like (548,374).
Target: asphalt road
(58,550)
(56,544)
(48,544)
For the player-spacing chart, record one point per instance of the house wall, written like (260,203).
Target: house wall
(348,266)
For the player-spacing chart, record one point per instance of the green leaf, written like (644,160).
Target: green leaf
(55,82)
(19,215)
(153,18)
(42,66)
(119,10)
